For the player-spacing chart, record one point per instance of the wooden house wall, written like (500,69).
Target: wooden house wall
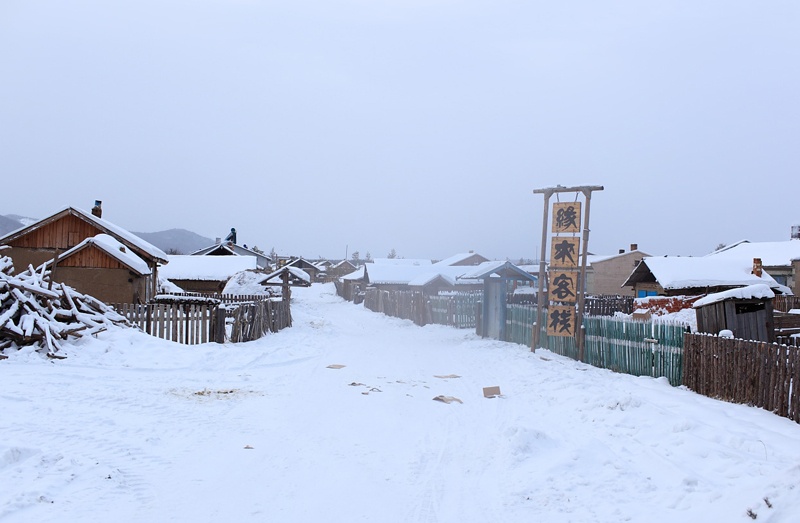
(92,257)
(205,286)
(63,233)
(755,325)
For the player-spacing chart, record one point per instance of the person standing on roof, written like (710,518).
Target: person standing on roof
(231,237)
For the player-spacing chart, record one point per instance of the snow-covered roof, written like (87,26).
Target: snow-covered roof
(415,275)
(113,248)
(343,263)
(235,250)
(459,258)
(496,269)
(751,292)
(679,272)
(213,268)
(298,273)
(358,274)
(300,261)
(401,261)
(429,277)
(392,274)
(772,254)
(595,258)
(125,237)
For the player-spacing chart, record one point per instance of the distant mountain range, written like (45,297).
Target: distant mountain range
(173,241)
(176,241)
(9,223)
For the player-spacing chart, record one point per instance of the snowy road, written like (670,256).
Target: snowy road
(130,428)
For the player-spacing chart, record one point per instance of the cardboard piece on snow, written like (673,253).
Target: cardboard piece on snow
(336,366)
(491,392)
(447,376)
(447,399)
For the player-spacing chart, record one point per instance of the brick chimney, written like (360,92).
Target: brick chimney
(757,267)
(97,210)
(634,246)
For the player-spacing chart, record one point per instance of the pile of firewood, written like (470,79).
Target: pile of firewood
(37,312)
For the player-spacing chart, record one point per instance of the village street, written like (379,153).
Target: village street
(133,428)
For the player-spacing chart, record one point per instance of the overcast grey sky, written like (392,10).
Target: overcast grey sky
(422,126)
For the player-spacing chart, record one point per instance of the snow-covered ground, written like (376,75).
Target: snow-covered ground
(131,428)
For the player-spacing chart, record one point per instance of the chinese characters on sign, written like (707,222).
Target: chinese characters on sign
(564,258)
(563,286)
(564,252)
(561,320)
(566,217)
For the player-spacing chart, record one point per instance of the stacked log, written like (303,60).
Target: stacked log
(34,311)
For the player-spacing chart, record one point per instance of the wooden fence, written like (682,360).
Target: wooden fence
(759,374)
(223,298)
(189,324)
(408,305)
(784,303)
(606,305)
(253,320)
(192,323)
(455,309)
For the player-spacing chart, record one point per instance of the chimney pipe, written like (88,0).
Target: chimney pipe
(97,210)
(634,246)
(622,251)
(757,267)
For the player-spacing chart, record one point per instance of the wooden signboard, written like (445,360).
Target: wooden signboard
(563,286)
(561,320)
(566,217)
(564,252)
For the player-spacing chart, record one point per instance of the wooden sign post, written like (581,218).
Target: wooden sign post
(566,285)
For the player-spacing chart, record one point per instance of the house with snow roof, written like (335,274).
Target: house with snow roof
(777,258)
(304,265)
(97,257)
(688,276)
(286,275)
(413,274)
(745,311)
(470,259)
(606,274)
(206,274)
(428,278)
(228,248)
(340,269)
